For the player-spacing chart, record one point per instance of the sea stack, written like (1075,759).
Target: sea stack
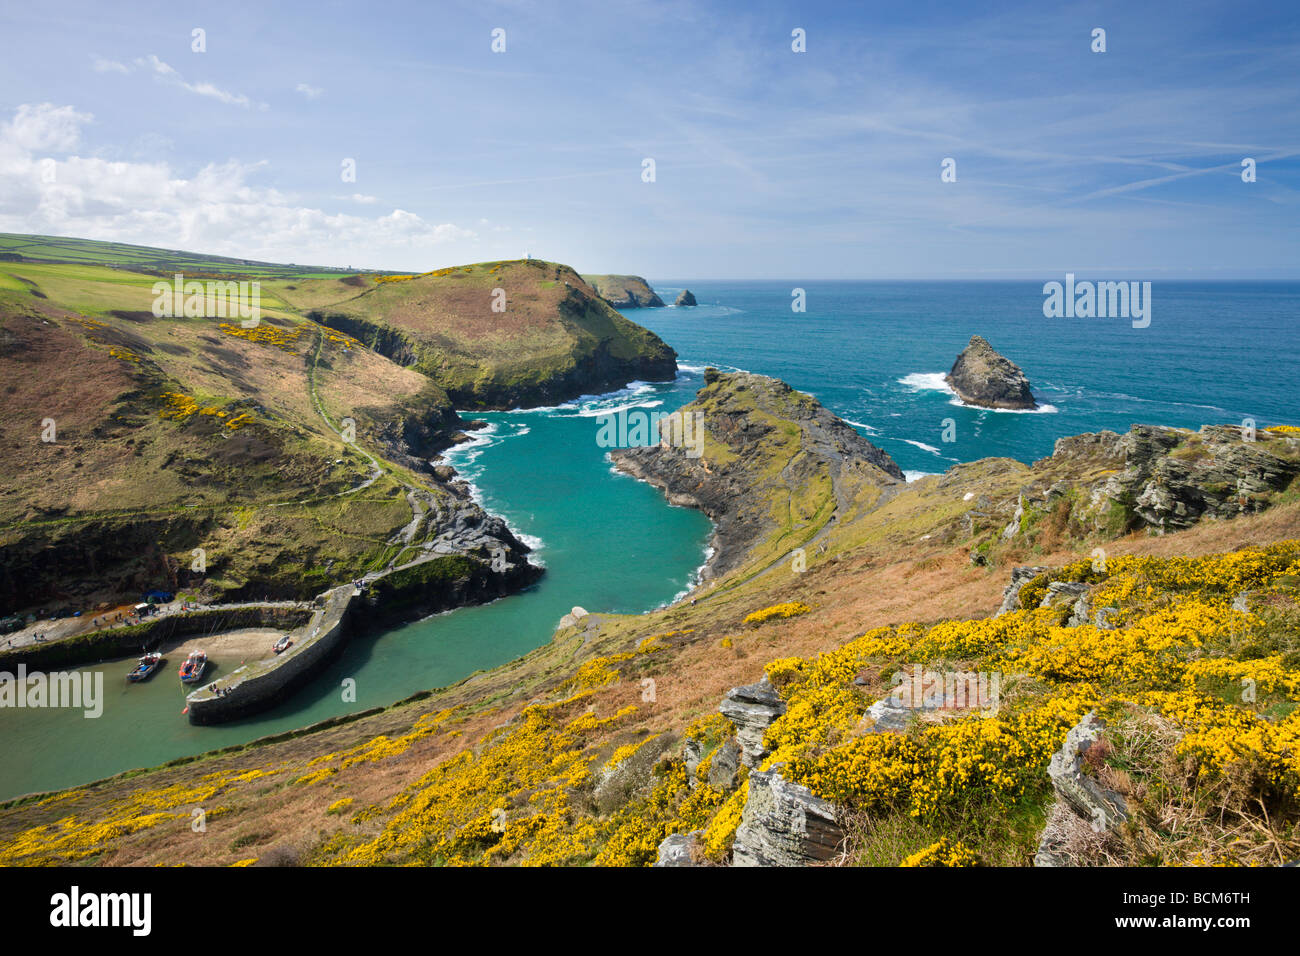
(685,297)
(982,377)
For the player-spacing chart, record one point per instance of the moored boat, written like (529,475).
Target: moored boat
(193,668)
(145,667)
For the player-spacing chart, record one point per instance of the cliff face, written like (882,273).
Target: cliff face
(500,335)
(981,376)
(762,443)
(625,292)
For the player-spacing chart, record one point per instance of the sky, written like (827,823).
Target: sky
(767,162)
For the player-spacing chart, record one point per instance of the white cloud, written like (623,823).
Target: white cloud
(219,209)
(168,74)
(225,96)
(157,65)
(45,126)
(311,92)
(102,65)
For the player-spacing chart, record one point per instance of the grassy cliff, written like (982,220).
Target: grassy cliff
(497,334)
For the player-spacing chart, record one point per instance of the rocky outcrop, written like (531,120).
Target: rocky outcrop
(625,292)
(1011,594)
(724,762)
(784,824)
(725,765)
(1078,794)
(1171,477)
(618,784)
(441,582)
(573,618)
(685,298)
(752,709)
(886,717)
(1064,594)
(680,849)
(982,377)
(759,438)
(1153,478)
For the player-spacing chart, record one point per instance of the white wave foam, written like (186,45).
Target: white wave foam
(925,382)
(869,428)
(597,411)
(479,436)
(538,410)
(1040,410)
(721,367)
(535,543)
(695,580)
(467,453)
(914,475)
(922,445)
(586,402)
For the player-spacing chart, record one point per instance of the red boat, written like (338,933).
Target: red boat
(193,668)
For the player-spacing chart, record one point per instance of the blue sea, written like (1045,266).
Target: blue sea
(873,352)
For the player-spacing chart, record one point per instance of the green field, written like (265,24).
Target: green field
(148,258)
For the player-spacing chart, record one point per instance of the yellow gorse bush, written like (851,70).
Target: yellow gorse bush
(627,751)
(463,810)
(789,609)
(73,839)
(180,407)
(1179,636)
(266,334)
(944,852)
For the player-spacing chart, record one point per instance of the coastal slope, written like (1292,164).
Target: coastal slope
(223,458)
(756,723)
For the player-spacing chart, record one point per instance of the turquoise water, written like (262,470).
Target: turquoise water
(874,353)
